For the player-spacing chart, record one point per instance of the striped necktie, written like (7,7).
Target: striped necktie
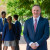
(3,21)
(35,25)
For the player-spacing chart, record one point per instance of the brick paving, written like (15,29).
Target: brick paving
(23,45)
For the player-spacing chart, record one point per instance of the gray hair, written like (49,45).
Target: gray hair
(36,5)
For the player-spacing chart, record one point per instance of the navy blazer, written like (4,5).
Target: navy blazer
(41,34)
(1,24)
(18,29)
(8,35)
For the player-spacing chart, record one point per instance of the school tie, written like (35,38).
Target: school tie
(35,25)
(3,21)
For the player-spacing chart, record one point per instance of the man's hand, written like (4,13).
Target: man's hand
(33,46)
(37,44)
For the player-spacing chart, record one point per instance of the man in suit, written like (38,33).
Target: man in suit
(18,31)
(3,20)
(36,30)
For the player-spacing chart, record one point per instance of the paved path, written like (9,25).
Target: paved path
(23,44)
(49,23)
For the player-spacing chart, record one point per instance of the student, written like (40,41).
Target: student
(18,31)
(9,34)
(3,20)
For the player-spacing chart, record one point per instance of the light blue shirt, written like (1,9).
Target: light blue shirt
(34,20)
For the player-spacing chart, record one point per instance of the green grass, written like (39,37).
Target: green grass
(22,30)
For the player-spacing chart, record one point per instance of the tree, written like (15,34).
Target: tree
(24,7)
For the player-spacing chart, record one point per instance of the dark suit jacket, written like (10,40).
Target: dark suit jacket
(18,29)
(1,24)
(41,34)
(8,35)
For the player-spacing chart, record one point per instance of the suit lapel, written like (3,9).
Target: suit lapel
(1,23)
(4,21)
(32,25)
(39,22)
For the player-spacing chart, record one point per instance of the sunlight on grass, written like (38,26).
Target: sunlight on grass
(22,30)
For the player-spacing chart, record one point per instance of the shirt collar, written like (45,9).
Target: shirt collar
(15,21)
(3,18)
(36,18)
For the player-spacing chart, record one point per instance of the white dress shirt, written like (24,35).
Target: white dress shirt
(15,21)
(34,20)
(3,18)
(33,24)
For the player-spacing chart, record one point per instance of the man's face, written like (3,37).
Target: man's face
(3,15)
(36,11)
